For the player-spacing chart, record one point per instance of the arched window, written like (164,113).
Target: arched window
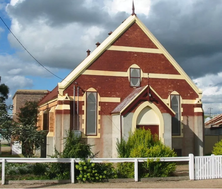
(91,113)
(175,105)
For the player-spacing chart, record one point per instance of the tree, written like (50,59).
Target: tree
(27,130)
(4,90)
(6,126)
(28,114)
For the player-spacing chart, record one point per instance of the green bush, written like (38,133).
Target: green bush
(17,168)
(95,172)
(217,148)
(75,147)
(142,143)
(39,168)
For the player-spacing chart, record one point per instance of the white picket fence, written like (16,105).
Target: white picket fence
(208,167)
(200,167)
(72,162)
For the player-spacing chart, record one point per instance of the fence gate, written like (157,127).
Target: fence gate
(208,167)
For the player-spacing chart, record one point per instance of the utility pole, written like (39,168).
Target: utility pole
(0,129)
(210,111)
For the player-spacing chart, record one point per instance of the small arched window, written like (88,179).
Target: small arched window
(135,75)
(91,113)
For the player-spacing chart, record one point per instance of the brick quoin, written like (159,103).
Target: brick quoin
(121,61)
(134,37)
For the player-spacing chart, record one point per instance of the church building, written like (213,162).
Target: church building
(129,81)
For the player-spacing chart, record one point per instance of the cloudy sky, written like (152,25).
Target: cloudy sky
(57,33)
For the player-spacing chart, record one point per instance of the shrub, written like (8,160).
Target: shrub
(39,168)
(17,168)
(217,148)
(95,172)
(75,147)
(142,143)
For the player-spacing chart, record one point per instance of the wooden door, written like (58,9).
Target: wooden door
(153,128)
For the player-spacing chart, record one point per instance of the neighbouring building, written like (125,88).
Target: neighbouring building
(22,96)
(129,81)
(212,133)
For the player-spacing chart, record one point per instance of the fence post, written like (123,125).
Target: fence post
(72,171)
(191,166)
(3,171)
(136,170)
(212,166)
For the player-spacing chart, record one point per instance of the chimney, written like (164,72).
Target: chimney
(88,52)
(97,44)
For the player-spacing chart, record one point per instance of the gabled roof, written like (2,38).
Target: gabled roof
(96,53)
(141,93)
(131,97)
(50,96)
(109,41)
(214,122)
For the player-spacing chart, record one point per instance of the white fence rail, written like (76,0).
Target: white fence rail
(72,162)
(208,167)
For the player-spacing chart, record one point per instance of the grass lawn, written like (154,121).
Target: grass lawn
(5,145)
(6,151)
(8,154)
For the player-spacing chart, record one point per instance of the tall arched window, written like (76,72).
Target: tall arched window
(91,113)
(175,105)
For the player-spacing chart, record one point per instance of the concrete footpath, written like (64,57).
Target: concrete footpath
(123,183)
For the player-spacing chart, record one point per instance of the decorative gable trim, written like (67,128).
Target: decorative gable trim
(134,49)
(95,54)
(106,45)
(169,57)
(135,96)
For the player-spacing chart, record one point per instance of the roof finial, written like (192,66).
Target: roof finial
(133,8)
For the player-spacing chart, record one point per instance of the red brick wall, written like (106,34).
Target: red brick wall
(121,61)
(134,37)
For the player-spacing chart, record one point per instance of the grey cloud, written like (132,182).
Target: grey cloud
(189,33)
(58,13)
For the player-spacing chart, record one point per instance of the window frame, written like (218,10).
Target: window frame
(96,113)
(131,77)
(179,115)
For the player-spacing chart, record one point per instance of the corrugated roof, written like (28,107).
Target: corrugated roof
(50,96)
(128,99)
(214,122)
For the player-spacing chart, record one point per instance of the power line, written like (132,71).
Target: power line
(27,50)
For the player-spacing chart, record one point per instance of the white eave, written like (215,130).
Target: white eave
(106,44)
(95,54)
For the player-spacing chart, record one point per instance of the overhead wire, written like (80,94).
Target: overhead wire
(48,69)
(28,50)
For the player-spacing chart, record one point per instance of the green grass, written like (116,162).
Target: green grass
(8,154)
(5,145)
